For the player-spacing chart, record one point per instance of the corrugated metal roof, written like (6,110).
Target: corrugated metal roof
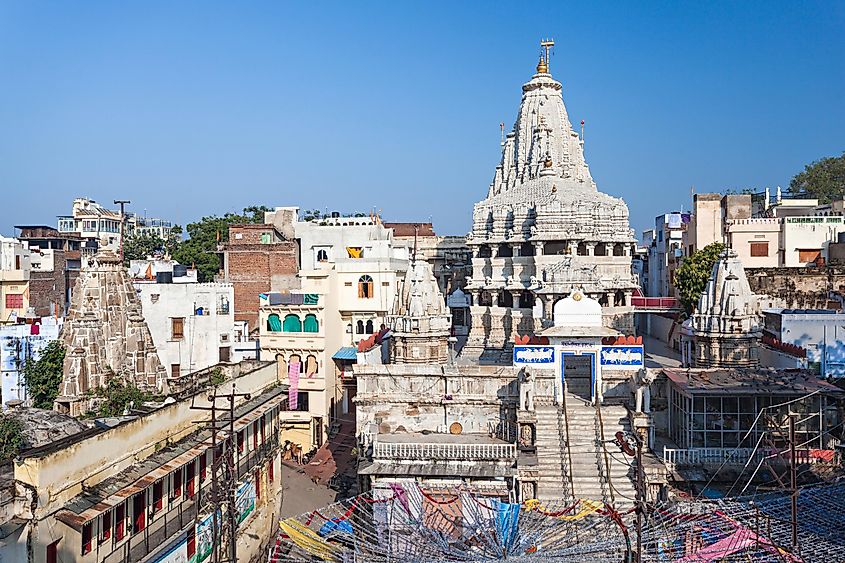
(346,353)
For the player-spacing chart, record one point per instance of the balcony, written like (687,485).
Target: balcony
(442,447)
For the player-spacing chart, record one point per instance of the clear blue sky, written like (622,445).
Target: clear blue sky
(194,108)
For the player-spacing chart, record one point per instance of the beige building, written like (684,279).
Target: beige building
(136,488)
(15,271)
(348,280)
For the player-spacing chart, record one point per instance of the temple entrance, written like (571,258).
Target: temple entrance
(579,374)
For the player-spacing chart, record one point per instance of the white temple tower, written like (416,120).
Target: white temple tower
(544,230)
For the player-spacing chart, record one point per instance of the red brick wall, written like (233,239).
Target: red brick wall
(249,234)
(48,287)
(251,269)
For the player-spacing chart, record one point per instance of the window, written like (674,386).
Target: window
(274,323)
(311,324)
(292,324)
(365,287)
(177,328)
(105,526)
(241,441)
(175,371)
(322,255)
(190,473)
(224,354)
(158,495)
(139,513)
(360,327)
(14,301)
(203,468)
(257,476)
(265,238)
(369,327)
(804,255)
(86,538)
(120,521)
(52,555)
(255,435)
(310,365)
(177,484)
(17,261)
(270,465)
(192,543)
(302,401)
(759,249)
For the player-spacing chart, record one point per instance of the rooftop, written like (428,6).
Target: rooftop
(750,382)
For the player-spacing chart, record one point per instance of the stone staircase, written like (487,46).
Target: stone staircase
(587,476)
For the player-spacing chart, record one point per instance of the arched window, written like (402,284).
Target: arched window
(310,365)
(322,255)
(292,324)
(365,287)
(369,327)
(281,367)
(310,324)
(360,327)
(295,363)
(274,324)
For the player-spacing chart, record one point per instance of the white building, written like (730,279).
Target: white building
(100,227)
(821,332)
(19,344)
(192,323)
(348,279)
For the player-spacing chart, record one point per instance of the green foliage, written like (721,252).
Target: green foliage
(200,249)
(311,215)
(691,277)
(11,437)
(217,376)
(140,246)
(44,376)
(823,179)
(117,396)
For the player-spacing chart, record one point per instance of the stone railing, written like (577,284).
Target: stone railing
(672,458)
(434,451)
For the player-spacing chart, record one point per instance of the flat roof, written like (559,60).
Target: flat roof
(726,381)
(579,331)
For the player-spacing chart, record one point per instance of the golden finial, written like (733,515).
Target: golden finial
(543,65)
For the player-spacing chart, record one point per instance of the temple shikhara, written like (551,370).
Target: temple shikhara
(544,229)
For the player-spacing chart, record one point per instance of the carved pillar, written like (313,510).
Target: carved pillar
(538,248)
(591,248)
(573,248)
(494,298)
(516,298)
(611,298)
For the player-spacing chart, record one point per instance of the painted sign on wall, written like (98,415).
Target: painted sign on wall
(245,500)
(205,537)
(621,357)
(533,355)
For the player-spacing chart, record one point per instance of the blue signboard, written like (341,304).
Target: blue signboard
(624,357)
(532,355)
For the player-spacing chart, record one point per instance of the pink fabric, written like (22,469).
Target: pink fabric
(293,390)
(741,539)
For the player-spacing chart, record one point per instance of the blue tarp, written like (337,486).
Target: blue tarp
(507,523)
(346,353)
(335,525)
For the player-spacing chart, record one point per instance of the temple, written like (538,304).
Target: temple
(106,337)
(544,229)
(726,326)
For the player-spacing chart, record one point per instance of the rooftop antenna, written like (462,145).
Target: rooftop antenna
(502,128)
(121,202)
(582,132)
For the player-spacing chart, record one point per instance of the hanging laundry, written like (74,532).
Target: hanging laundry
(293,379)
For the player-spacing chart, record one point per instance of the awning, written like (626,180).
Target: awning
(349,353)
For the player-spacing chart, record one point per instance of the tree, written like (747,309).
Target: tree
(11,437)
(823,179)
(44,375)
(691,277)
(200,248)
(117,396)
(140,246)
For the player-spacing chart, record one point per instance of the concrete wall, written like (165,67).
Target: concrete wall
(800,288)
(772,358)
(705,225)
(743,232)
(204,335)
(808,233)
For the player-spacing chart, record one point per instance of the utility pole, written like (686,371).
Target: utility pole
(793,480)
(223,486)
(121,203)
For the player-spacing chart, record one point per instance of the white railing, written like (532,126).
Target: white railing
(421,451)
(731,456)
